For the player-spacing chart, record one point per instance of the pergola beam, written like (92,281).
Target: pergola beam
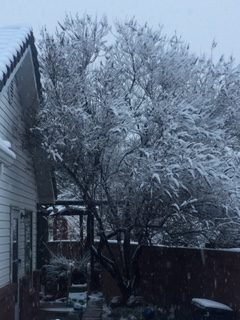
(72,203)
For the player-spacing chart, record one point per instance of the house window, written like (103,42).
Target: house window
(14,252)
(15,244)
(28,241)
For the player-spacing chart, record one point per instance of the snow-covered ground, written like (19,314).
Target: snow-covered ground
(206,303)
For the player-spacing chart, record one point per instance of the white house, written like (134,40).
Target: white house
(25,179)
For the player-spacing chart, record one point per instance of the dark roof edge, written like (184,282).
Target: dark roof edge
(29,41)
(36,65)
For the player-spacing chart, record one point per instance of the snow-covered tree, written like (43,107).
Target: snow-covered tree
(146,127)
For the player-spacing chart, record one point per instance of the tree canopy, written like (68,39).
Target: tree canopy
(132,118)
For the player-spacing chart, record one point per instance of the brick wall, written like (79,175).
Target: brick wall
(28,298)
(29,288)
(7,303)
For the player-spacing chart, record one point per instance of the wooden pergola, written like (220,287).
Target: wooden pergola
(71,209)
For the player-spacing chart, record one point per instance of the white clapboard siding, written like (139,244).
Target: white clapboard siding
(17,183)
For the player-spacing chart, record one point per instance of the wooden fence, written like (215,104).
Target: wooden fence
(171,276)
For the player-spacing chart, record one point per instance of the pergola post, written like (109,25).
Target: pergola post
(90,237)
(81,228)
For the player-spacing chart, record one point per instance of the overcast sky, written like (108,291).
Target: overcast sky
(197,21)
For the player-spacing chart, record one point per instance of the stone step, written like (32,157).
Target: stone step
(93,310)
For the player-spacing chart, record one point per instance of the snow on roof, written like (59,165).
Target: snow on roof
(206,303)
(12,40)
